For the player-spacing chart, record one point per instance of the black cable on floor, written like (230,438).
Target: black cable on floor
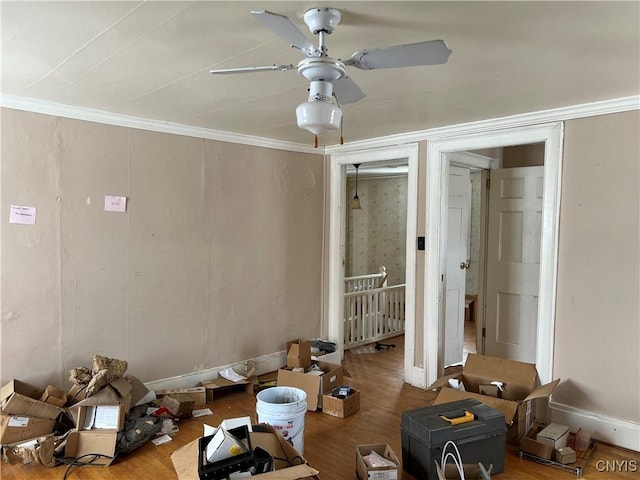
(77,463)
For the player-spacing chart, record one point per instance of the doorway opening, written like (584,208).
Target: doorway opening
(341,261)
(438,165)
(502,243)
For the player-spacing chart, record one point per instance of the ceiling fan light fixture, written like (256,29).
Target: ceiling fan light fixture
(319,114)
(318,117)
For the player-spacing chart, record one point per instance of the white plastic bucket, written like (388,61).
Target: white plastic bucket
(284,409)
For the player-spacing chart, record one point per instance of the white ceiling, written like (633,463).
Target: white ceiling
(152,59)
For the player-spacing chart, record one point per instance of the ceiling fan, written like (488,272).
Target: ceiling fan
(330,85)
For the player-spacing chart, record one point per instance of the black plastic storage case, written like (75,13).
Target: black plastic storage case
(480,439)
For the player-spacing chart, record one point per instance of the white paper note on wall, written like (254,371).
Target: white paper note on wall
(115,204)
(23,215)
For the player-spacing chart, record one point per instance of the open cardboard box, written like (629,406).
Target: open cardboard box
(125,391)
(313,385)
(96,432)
(519,389)
(20,398)
(217,387)
(341,407)
(365,472)
(185,458)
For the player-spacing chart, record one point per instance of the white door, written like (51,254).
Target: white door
(457,260)
(513,262)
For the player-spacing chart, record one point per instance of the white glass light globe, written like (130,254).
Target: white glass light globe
(318,117)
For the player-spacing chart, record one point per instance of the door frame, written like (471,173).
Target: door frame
(436,221)
(337,240)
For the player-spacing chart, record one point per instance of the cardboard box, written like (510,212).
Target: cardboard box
(217,387)
(54,396)
(185,459)
(96,431)
(565,455)
(365,472)
(314,385)
(529,444)
(16,428)
(341,407)
(554,435)
(519,389)
(198,394)
(298,353)
(179,404)
(123,391)
(20,398)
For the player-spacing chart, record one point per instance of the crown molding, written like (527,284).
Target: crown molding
(130,121)
(604,107)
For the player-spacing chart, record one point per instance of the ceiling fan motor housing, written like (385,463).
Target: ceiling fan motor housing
(321,19)
(321,68)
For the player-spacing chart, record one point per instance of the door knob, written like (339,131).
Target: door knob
(464,265)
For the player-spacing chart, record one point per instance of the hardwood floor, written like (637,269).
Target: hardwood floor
(329,441)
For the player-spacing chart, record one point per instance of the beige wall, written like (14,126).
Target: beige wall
(523,155)
(597,320)
(218,258)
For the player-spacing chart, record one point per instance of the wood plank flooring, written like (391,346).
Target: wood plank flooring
(329,442)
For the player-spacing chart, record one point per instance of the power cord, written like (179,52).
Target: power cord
(75,462)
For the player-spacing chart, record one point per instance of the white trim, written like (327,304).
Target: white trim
(621,433)
(436,188)
(603,107)
(109,118)
(473,160)
(263,364)
(337,217)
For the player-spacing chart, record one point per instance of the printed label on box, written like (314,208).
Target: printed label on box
(21,422)
(384,475)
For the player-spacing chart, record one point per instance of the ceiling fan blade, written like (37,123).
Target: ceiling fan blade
(347,91)
(286,29)
(433,52)
(225,71)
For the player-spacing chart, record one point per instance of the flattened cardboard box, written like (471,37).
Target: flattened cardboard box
(20,398)
(16,428)
(313,385)
(519,389)
(185,458)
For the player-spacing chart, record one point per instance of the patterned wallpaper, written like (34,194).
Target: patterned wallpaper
(376,235)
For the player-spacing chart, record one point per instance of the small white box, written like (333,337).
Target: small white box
(554,435)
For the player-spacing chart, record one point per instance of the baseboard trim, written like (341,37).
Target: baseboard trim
(621,433)
(263,364)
